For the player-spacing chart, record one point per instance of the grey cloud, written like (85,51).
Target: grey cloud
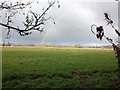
(76,29)
(73,21)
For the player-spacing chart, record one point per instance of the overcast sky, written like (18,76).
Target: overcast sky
(73,21)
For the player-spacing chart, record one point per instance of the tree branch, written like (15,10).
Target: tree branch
(33,20)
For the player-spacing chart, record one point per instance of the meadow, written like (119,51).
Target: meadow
(32,67)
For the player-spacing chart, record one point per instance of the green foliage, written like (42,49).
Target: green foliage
(58,67)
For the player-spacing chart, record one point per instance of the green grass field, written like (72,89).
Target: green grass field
(59,68)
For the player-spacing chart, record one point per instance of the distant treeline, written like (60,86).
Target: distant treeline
(53,45)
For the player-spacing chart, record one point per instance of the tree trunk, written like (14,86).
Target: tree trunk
(118,57)
(119,66)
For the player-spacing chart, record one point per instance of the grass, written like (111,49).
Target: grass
(59,68)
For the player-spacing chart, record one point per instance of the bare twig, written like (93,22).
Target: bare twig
(99,32)
(10,6)
(33,21)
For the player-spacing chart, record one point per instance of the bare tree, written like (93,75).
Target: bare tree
(33,21)
(98,31)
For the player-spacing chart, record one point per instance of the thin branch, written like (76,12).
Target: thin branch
(107,38)
(33,20)
(11,6)
(110,21)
